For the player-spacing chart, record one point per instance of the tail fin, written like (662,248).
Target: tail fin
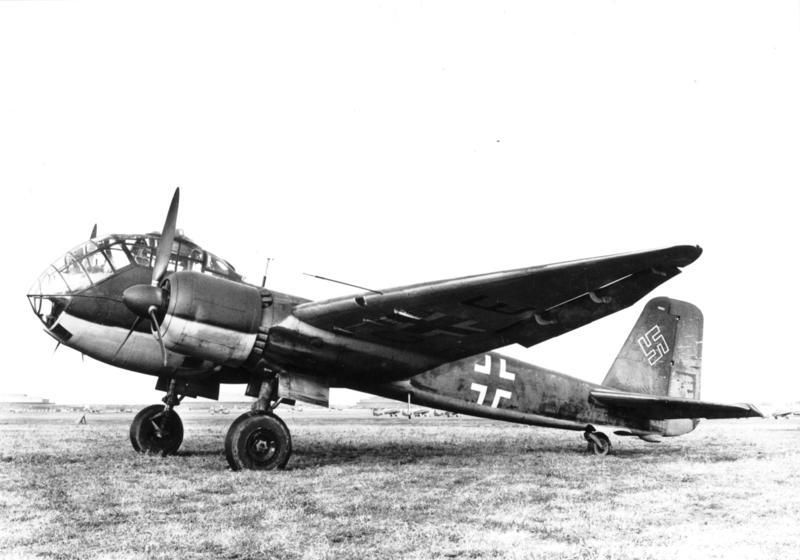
(663,352)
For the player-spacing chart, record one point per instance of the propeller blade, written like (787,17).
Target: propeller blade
(167,237)
(94,232)
(156,330)
(130,332)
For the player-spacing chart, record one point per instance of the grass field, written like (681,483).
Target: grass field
(364,487)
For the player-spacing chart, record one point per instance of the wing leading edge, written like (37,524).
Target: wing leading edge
(453,319)
(655,407)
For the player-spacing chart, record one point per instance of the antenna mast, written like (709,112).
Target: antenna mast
(343,283)
(266,269)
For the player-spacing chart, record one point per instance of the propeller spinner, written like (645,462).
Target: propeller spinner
(148,300)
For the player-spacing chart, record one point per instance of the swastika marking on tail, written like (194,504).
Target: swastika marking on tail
(653,344)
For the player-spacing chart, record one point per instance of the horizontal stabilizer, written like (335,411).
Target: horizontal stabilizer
(657,407)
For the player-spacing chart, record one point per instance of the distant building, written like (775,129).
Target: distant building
(21,399)
(377,402)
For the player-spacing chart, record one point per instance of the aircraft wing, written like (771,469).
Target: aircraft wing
(658,407)
(453,319)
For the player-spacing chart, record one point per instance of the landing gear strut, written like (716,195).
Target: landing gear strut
(157,428)
(259,439)
(599,444)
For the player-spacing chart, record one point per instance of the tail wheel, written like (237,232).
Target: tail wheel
(156,429)
(599,444)
(258,441)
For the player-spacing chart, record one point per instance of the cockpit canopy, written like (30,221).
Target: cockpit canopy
(97,259)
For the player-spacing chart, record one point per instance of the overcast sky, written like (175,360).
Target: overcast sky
(384,143)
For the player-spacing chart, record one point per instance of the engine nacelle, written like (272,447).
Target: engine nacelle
(211,318)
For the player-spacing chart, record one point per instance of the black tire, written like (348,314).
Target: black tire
(156,430)
(599,444)
(258,441)
(251,413)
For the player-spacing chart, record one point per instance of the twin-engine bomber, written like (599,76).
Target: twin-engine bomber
(159,304)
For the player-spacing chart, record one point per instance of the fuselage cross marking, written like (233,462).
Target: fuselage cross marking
(486,368)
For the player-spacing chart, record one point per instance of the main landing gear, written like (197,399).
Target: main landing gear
(598,442)
(157,428)
(259,439)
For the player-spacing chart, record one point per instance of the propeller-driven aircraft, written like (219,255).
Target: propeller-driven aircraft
(161,305)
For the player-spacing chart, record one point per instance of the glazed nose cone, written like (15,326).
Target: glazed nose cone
(48,296)
(51,292)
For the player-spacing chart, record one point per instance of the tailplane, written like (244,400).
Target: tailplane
(657,373)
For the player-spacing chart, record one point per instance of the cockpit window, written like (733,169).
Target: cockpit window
(111,250)
(218,266)
(73,274)
(96,266)
(117,256)
(101,259)
(81,267)
(82,250)
(185,256)
(142,249)
(51,282)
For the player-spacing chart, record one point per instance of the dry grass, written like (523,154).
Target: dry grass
(360,487)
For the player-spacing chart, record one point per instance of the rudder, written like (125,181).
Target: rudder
(663,353)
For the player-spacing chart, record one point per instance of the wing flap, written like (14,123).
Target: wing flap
(657,407)
(589,307)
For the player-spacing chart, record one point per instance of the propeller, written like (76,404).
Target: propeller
(147,300)
(167,237)
(127,336)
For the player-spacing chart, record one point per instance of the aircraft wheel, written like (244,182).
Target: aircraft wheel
(251,413)
(156,430)
(258,441)
(599,444)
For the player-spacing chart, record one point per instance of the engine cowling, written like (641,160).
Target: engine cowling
(211,318)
